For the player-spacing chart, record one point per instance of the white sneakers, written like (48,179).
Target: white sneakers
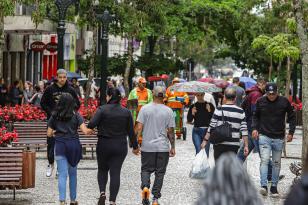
(49,171)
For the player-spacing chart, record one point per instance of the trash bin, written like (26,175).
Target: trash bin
(28,169)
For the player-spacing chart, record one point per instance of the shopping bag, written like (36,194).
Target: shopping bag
(200,166)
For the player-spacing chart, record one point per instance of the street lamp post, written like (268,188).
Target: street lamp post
(105,20)
(62,6)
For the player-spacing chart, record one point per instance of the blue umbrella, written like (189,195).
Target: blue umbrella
(71,75)
(249,82)
(182,80)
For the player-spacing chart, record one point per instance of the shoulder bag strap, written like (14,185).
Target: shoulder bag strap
(222,115)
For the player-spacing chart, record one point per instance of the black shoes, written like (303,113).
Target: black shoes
(102,199)
(274,191)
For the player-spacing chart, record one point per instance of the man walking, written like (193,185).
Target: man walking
(249,106)
(156,122)
(143,96)
(240,92)
(49,100)
(269,126)
(176,101)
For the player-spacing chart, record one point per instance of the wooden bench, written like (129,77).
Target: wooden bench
(34,135)
(11,163)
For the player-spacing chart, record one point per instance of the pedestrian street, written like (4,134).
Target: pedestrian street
(178,188)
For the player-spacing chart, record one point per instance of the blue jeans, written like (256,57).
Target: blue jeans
(252,143)
(197,137)
(64,169)
(267,147)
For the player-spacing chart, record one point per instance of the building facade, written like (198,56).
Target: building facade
(30,53)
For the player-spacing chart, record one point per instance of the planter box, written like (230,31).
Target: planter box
(28,169)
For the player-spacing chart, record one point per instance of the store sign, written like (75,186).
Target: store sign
(38,46)
(52,47)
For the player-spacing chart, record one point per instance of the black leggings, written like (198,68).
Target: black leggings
(51,150)
(110,157)
(222,148)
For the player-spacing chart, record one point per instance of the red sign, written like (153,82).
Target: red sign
(38,46)
(52,47)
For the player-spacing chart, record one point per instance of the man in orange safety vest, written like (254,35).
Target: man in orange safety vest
(176,101)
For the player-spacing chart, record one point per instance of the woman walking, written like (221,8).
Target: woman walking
(36,98)
(114,124)
(200,114)
(64,124)
(27,92)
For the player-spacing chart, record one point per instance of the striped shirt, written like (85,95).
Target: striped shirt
(236,117)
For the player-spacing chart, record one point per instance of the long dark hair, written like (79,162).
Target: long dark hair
(65,108)
(115,95)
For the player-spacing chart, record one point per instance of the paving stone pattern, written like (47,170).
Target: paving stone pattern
(178,188)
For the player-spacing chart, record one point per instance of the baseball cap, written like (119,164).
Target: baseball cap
(142,80)
(271,88)
(159,91)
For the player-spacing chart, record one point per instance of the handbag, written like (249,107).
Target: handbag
(222,132)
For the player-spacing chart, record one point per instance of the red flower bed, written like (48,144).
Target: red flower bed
(22,113)
(32,113)
(7,137)
(88,112)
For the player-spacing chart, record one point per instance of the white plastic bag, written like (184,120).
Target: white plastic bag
(200,166)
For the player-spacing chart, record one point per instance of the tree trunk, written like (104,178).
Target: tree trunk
(270,70)
(298,9)
(288,81)
(278,81)
(91,67)
(130,51)
(1,43)
(152,43)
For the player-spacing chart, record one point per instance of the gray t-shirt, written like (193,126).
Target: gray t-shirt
(240,93)
(156,119)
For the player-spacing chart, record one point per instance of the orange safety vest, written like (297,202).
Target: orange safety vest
(176,99)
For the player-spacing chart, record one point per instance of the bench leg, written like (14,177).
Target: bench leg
(84,151)
(14,192)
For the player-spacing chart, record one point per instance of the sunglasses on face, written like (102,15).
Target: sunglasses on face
(272,94)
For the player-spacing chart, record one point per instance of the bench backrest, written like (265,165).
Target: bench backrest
(11,159)
(33,130)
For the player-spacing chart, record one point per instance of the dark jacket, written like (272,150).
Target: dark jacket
(249,104)
(203,116)
(269,117)
(299,192)
(114,121)
(77,90)
(14,95)
(52,95)
(3,95)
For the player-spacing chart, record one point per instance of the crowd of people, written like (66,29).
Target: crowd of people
(21,93)
(242,120)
